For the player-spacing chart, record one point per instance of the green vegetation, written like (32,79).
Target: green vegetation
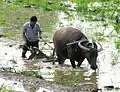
(117,44)
(3,88)
(14,15)
(10,34)
(100,9)
(31,73)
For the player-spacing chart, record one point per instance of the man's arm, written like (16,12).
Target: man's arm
(40,32)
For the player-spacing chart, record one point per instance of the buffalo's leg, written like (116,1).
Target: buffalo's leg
(73,63)
(60,60)
(79,63)
(59,56)
(70,52)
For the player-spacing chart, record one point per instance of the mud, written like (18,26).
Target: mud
(107,75)
(10,56)
(30,82)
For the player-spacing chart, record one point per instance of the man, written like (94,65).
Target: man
(31,35)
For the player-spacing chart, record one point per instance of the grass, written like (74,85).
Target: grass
(15,15)
(87,8)
(3,88)
(31,73)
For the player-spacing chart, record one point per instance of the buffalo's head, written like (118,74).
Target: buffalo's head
(90,51)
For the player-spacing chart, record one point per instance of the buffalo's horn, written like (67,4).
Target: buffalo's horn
(83,47)
(71,43)
(100,49)
(94,44)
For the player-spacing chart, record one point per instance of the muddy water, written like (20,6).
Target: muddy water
(11,60)
(106,77)
(10,57)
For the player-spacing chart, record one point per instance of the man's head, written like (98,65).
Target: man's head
(33,20)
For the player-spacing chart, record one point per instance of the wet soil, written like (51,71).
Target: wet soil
(36,83)
(10,56)
(106,77)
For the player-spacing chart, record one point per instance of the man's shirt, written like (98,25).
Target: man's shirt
(32,34)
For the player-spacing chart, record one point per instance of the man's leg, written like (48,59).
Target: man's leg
(36,44)
(24,51)
(26,47)
(23,54)
(34,50)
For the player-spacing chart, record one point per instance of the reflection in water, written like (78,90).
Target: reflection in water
(108,74)
(46,71)
(75,77)
(43,90)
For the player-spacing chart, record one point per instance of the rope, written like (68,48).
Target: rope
(47,43)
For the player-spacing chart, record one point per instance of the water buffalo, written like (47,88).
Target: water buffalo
(71,43)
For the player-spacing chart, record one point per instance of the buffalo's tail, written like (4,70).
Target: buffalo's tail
(53,61)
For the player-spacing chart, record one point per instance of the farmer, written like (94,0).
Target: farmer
(31,35)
